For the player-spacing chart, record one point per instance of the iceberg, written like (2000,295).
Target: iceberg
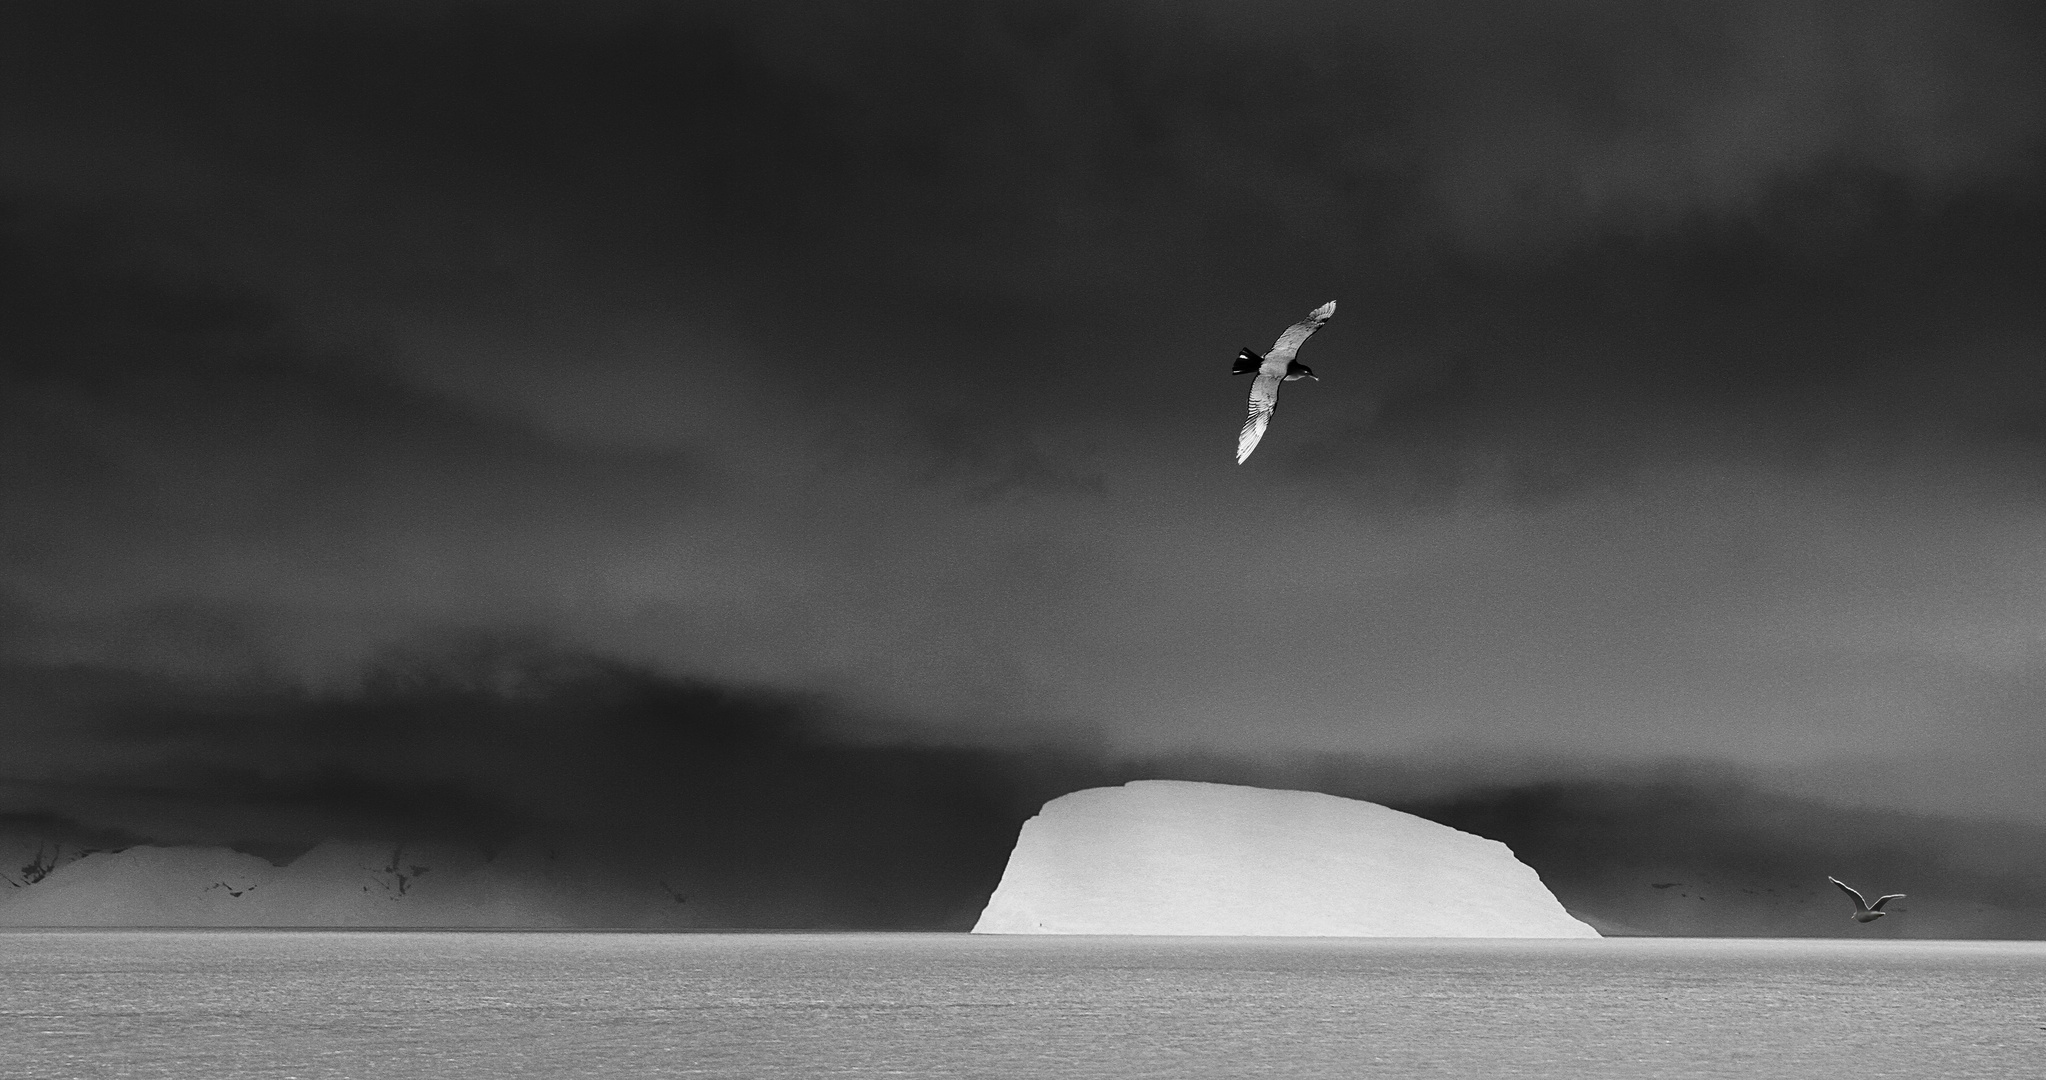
(1185,858)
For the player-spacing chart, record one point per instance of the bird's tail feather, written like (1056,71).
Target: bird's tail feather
(1247,363)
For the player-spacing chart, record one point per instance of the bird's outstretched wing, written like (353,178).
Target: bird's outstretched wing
(1264,397)
(1881,900)
(1298,333)
(1859,903)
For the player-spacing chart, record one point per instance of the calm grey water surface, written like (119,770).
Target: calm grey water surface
(392,1005)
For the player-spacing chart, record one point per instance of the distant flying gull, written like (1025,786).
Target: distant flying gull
(1863,910)
(1272,369)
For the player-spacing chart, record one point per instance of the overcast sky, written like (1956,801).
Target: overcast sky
(1686,398)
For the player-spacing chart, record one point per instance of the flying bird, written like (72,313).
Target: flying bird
(1272,369)
(1863,910)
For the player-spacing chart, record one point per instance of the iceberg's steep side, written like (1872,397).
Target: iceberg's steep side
(1178,857)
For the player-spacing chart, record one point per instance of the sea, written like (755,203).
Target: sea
(464,1004)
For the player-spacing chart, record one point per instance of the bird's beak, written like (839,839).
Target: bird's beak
(1316,378)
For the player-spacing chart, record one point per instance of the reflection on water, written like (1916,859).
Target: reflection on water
(393,1005)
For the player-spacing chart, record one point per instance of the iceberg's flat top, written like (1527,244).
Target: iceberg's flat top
(1179,857)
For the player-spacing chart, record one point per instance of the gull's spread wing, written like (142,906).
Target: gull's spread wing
(1859,903)
(1881,900)
(1264,397)
(1297,335)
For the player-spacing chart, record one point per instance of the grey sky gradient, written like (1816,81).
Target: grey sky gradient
(1685,400)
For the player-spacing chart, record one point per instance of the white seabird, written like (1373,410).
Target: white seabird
(1863,910)
(1272,369)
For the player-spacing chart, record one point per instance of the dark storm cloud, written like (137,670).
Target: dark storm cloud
(910,181)
(1684,399)
(185,473)
(886,136)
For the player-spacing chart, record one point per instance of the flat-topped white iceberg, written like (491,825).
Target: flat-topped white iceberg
(1177,857)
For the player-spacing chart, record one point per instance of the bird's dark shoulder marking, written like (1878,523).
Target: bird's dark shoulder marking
(1247,362)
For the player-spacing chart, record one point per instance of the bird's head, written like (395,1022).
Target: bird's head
(1296,371)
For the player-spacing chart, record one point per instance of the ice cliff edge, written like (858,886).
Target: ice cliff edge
(1179,857)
